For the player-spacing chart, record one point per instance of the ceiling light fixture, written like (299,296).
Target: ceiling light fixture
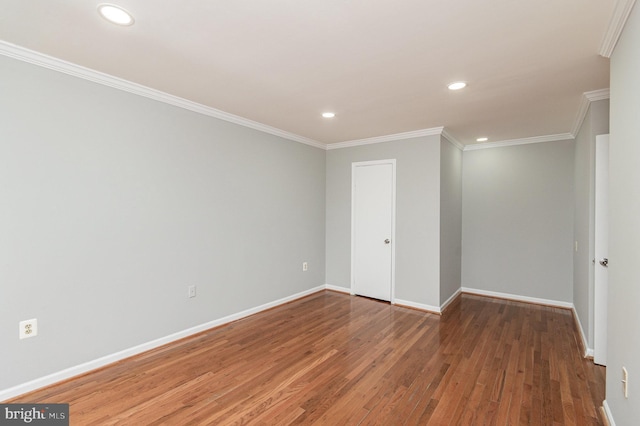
(328,114)
(482,139)
(115,14)
(457,85)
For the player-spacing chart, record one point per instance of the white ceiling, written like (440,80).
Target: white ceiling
(381,66)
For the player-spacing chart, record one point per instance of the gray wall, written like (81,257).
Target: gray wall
(450,220)
(623,344)
(111,204)
(417,215)
(596,122)
(517,220)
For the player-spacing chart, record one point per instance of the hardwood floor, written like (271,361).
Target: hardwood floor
(335,359)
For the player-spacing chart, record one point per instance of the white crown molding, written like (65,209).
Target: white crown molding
(597,95)
(452,140)
(617,22)
(387,138)
(523,141)
(59,65)
(55,64)
(585,101)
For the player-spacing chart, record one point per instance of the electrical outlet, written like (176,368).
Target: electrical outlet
(191,291)
(625,382)
(305,266)
(28,328)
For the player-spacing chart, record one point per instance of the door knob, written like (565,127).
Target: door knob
(387,241)
(605,262)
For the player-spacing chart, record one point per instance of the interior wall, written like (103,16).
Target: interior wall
(112,204)
(117,203)
(517,220)
(596,122)
(450,220)
(623,344)
(417,215)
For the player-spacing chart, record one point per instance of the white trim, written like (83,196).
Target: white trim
(608,413)
(405,303)
(617,22)
(597,95)
(588,352)
(585,101)
(421,306)
(581,114)
(518,298)
(453,141)
(387,138)
(600,227)
(523,141)
(59,65)
(450,299)
(337,288)
(45,61)
(109,359)
(393,221)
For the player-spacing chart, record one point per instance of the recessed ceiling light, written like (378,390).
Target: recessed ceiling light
(115,14)
(457,85)
(328,114)
(482,139)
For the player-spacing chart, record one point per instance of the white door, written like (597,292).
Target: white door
(372,227)
(601,237)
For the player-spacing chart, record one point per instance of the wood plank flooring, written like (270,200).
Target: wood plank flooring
(334,359)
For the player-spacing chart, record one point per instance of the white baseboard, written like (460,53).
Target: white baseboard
(450,299)
(76,370)
(399,302)
(415,305)
(607,412)
(337,288)
(588,352)
(438,310)
(518,298)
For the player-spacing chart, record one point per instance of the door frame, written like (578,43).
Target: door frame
(600,274)
(354,165)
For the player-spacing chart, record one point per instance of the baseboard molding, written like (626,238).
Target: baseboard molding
(607,412)
(420,306)
(77,370)
(398,302)
(337,288)
(450,299)
(588,352)
(518,298)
